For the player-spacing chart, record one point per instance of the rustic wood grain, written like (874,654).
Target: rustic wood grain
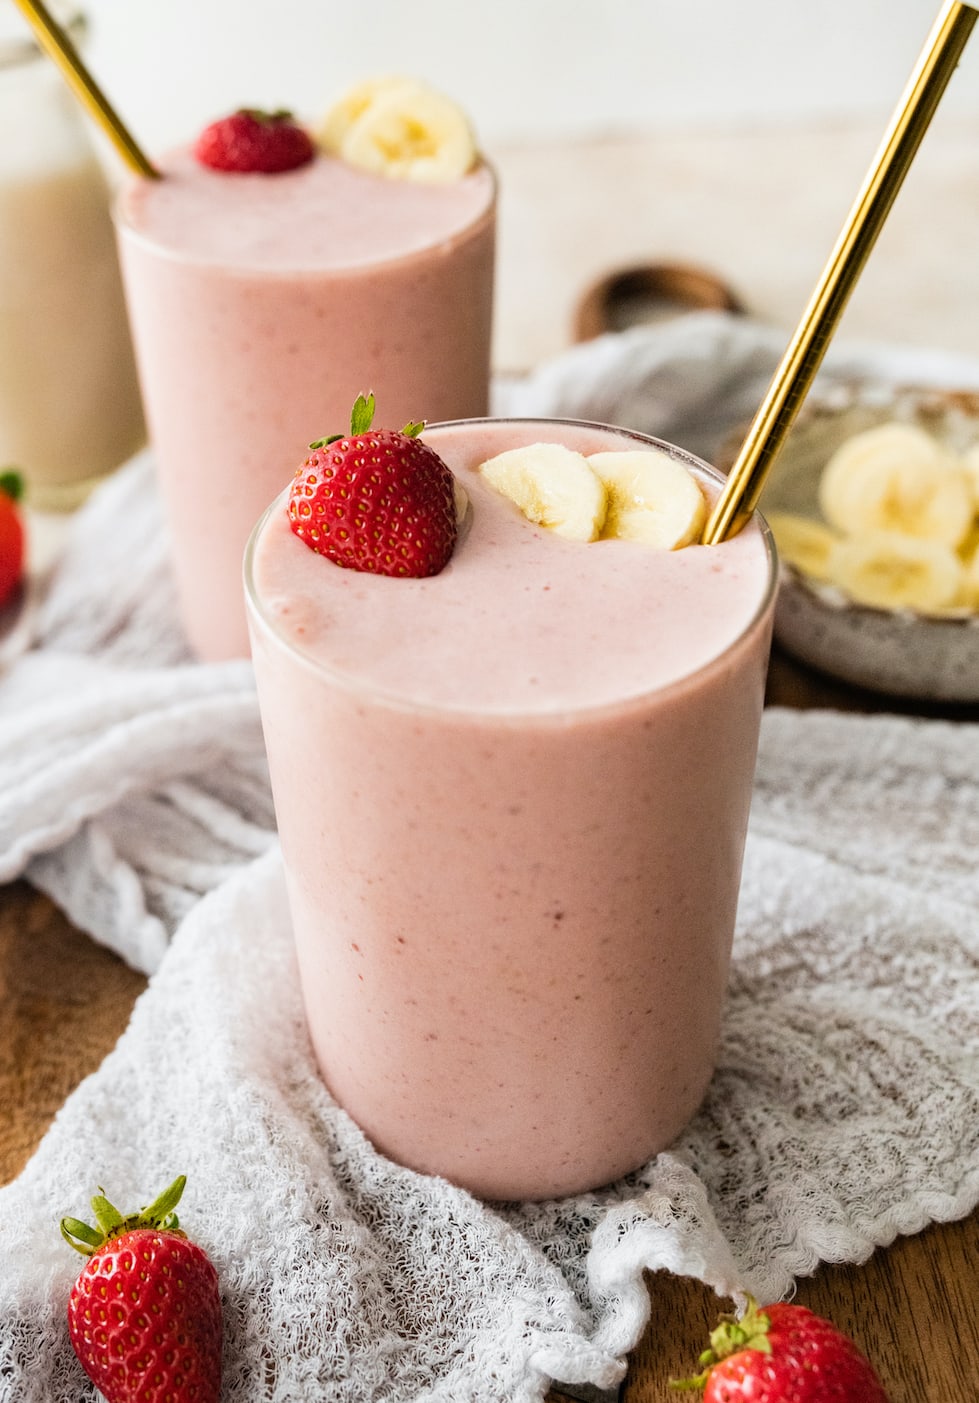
(911,1308)
(64,1000)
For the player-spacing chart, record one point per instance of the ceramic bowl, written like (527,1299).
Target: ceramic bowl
(898,652)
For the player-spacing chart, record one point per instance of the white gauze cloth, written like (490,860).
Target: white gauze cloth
(845,1107)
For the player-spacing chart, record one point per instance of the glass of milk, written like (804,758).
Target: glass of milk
(70,408)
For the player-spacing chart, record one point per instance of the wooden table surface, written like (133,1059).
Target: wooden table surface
(912,1307)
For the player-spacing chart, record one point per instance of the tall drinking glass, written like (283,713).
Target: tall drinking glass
(512,801)
(70,407)
(261,306)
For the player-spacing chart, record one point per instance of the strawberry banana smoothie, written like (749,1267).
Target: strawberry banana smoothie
(512,800)
(262,300)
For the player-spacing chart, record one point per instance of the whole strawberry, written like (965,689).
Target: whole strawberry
(377,500)
(783,1354)
(253,140)
(11,535)
(144,1316)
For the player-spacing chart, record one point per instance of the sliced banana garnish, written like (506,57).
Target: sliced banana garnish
(651,498)
(893,571)
(970,460)
(896,478)
(970,546)
(803,542)
(970,581)
(401,128)
(352,105)
(553,486)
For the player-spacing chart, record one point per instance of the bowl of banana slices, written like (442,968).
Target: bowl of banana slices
(874,505)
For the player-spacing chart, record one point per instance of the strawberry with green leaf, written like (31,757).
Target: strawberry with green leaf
(253,141)
(144,1316)
(377,500)
(12,536)
(783,1354)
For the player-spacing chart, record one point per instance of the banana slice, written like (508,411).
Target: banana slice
(971,461)
(970,582)
(553,486)
(803,542)
(352,105)
(897,478)
(402,129)
(968,548)
(651,498)
(892,571)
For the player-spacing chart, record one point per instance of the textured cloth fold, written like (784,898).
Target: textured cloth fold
(844,1110)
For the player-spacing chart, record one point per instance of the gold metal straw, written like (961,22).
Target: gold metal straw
(797,370)
(54,40)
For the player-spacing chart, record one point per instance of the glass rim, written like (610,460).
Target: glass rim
(382,696)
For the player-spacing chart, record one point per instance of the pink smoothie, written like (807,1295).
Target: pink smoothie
(512,802)
(261,306)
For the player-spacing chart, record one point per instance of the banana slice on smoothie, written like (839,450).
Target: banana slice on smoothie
(352,105)
(803,542)
(896,478)
(970,459)
(892,571)
(969,548)
(651,498)
(403,129)
(553,486)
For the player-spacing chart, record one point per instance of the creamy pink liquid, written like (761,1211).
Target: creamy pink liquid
(512,801)
(261,306)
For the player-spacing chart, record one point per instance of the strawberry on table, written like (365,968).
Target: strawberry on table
(253,140)
(783,1354)
(144,1316)
(11,534)
(377,500)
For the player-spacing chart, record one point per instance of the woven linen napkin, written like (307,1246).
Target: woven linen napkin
(845,1107)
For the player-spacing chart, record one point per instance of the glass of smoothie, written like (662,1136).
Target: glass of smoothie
(70,408)
(261,304)
(512,799)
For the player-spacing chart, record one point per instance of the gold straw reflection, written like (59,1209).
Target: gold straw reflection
(56,43)
(801,361)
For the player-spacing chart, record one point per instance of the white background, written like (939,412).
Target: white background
(522,68)
(728,133)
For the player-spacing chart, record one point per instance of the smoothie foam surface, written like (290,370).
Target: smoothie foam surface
(320,216)
(520,621)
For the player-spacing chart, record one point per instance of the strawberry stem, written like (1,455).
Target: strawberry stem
(107,1215)
(363,414)
(74,1227)
(268,116)
(750,1332)
(11,484)
(162,1208)
(730,1336)
(361,418)
(699,1381)
(111,1223)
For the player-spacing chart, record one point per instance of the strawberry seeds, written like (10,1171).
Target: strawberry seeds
(377,500)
